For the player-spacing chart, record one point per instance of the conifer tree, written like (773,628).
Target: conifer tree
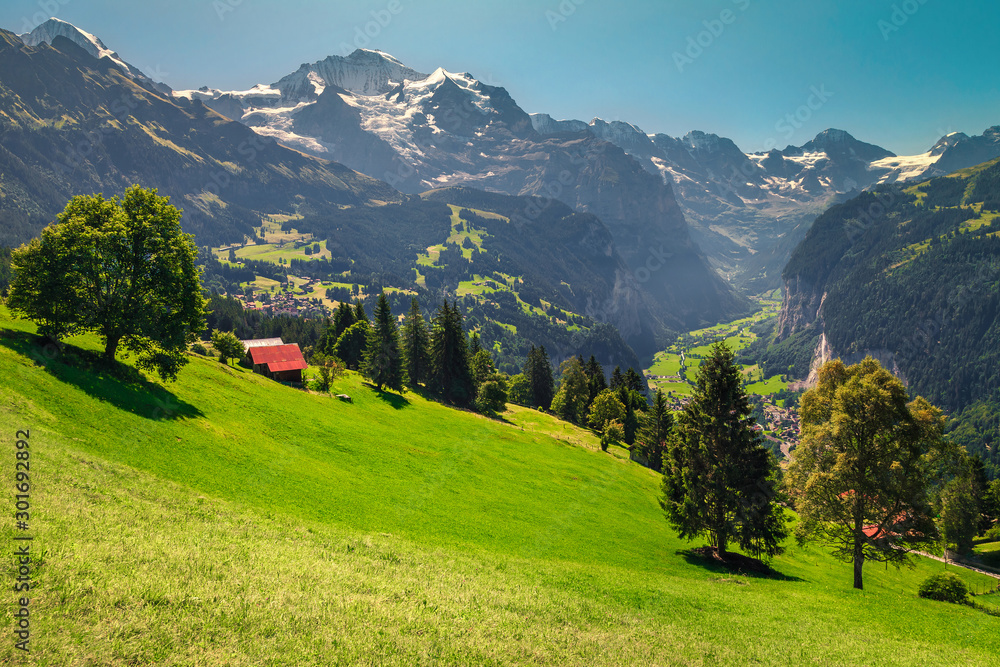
(617,379)
(718,479)
(450,373)
(416,343)
(538,370)
(342,319)
(383,363)
(655,429)
(634,381)
(631,422)
(475,345)
(595,379)
(359,312)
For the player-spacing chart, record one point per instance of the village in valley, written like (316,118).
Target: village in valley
(775,406)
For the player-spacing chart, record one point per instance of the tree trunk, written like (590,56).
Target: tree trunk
(110,348)
(720,543)
(859,561)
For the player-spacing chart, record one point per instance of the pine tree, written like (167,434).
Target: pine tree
(475,345)
(449,352)
(342,319)
(617,379)
(359,312)
(416,341)
(634,381)
(383,363)
(718,479)
(595,379)
(655,429)
(631,422)
(538,370)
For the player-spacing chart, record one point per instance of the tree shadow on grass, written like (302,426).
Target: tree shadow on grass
(397,401)
(707,558)
(121,385)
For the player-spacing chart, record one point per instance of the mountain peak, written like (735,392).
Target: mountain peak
(54,27)
(363,72)
(841,143)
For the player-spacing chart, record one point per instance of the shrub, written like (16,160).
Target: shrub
(945,587)
(198,348)
(613,434)
(329,368)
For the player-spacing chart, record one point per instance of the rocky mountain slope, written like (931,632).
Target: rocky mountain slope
(71,123)
(419,132)
(748,211)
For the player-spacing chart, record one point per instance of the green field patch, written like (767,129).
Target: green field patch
(772,385)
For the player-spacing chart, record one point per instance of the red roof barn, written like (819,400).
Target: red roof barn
(284,363)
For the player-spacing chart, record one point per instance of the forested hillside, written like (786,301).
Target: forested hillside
(910,275)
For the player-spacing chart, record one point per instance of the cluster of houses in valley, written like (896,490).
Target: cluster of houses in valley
(784,422)
(272,358)
(286,303)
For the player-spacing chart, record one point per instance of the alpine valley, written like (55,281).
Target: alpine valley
(417,376)
(439,184)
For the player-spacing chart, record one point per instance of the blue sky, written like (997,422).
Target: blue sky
(899,73)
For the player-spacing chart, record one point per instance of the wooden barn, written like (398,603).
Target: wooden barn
(283,363)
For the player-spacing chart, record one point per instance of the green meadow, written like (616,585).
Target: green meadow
(228,520)
(695,345)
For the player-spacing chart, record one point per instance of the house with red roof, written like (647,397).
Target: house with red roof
(280,362)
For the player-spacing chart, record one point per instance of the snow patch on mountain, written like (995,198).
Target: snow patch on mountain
(906,167)
(365,72)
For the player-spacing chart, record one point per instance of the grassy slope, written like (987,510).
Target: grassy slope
(258,524)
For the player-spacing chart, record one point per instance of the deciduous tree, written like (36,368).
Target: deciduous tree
(227,345)
(861,474)
(570,402)
(606,407)
(350,347)
(121,268)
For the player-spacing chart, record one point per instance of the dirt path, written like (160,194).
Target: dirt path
(957,564)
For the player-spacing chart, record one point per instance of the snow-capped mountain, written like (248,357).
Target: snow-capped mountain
(417,131)
(420,132)
(747,211)
(373,113)
(49,30)
(46,32)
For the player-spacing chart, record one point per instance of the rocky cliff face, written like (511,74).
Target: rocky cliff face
(801,306)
